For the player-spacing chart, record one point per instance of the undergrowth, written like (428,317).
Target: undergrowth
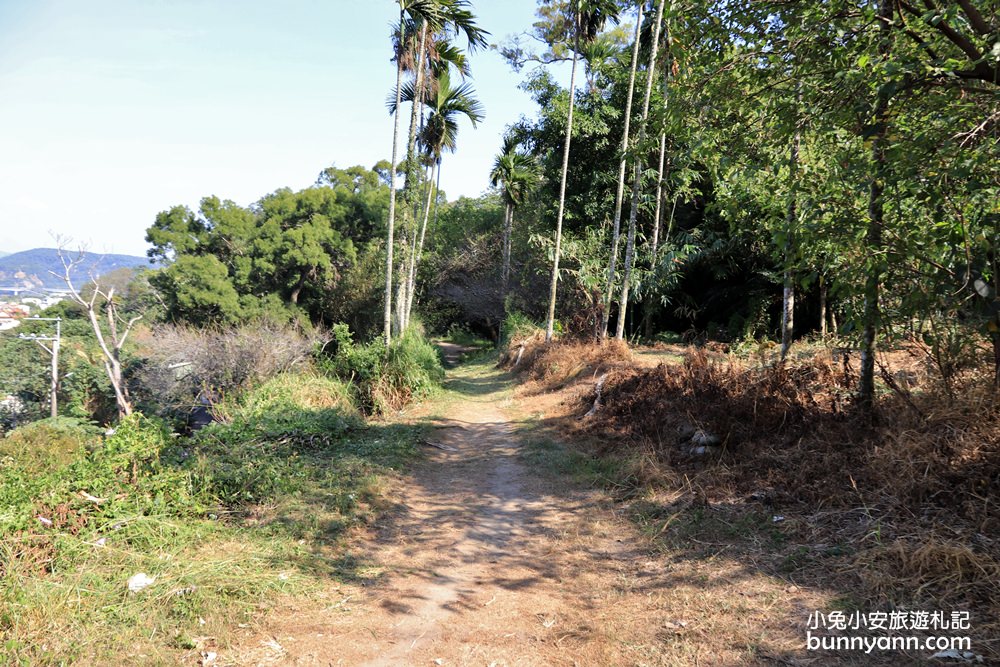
(223,522)
(383,379)
(901,512)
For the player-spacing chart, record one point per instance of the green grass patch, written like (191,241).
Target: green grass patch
(225,521)
(601,472)
(461,336)
(385,379)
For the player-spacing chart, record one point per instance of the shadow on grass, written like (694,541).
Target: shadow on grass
(301,481)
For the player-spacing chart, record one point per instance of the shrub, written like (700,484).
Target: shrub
(184,364)
(517,327)
(386,380)
(256,454)
(61,468)
(49,443)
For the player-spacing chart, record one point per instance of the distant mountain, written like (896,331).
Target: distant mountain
(3,254)
(32,269)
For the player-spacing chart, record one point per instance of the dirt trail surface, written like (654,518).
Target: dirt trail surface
(489,562)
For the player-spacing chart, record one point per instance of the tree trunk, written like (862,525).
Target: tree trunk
(788,296)
(554,284)
(620,193)
(659,200)
(822,308)
(508,226)
(415,108)
(401,297)
(387,321)
(297,291)
(437,191)
(112,366)
(637,177)
(411,166)
(419,250)
(874,242)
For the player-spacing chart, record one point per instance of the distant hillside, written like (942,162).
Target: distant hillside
(3,254)
(32,268)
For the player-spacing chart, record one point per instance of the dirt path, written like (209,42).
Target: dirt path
(490,562)
(485,564)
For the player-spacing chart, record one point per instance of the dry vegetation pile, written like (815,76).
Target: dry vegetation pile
(548,367)
(907,506)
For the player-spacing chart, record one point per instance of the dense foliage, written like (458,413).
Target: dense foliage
(279,258)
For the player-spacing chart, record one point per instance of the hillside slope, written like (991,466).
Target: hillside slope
(33,269)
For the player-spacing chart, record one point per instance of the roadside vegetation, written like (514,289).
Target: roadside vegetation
(774,462)
(222,522)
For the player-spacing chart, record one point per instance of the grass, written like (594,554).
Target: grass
(599,472)
(874,517)
(226,522)
(465,338)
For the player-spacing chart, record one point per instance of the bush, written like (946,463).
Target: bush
(225,521)
(185,365)
(62,471)
(386,380)
(256,454)
(517,327)
(48,444)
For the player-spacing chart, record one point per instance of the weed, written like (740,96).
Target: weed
(385,379)
(226,521)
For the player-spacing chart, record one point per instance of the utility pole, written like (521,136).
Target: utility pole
(53,352)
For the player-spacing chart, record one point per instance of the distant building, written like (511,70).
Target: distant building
(11,314)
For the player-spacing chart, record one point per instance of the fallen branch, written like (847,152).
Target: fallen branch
(597,398)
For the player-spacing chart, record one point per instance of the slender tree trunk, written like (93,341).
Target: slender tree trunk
(401,297)
(418,98)
(647,316)
(411,166)
(411,263)
(788,296)
(112,365)
(659,199)
(637,176)
(419,249)
(876,215)
(822,307)
(437,195)
(508,227)
(554,284)
(620,193)
(387,321)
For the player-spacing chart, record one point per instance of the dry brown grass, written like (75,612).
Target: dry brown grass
(550,366)
(910,500)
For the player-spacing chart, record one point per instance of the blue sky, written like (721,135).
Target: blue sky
(114,110)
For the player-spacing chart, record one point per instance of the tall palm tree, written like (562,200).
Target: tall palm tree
(620,192)
(410,11)
(588,19)
(637,174)
(440,134)
(416,17)
(515,172)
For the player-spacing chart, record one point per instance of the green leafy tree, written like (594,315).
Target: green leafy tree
(516,174)
(197,288)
